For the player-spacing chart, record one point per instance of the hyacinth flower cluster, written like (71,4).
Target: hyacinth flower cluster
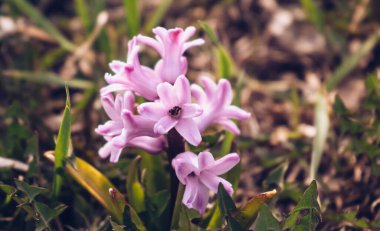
(171,103)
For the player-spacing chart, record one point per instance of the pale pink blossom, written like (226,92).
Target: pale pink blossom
(174,110)
(200,174)
(216,101)
(125,128)
(132,75)
(171,45)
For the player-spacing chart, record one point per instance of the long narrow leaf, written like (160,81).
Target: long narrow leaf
(157,16)
(46,78)
(135,191)
(96,184)
(133,16)
(350,62)
(322,124)
(62,147)
(35,15)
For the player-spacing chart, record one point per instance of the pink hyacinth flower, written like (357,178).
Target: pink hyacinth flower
(200,174)
(216,103)
(171,44)
(132,75)
(174,110)
(125,129)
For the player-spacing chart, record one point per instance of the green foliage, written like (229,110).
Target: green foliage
(322,125)
(133,16)
(307,214)
(26,200)
(351,61)
(135,190)
(62,147)
(35,15)
(313,12)
(266,220)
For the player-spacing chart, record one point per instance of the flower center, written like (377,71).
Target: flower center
(192,174)
(175,112)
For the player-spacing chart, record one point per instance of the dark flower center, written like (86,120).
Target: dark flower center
(192,174)
(175,112)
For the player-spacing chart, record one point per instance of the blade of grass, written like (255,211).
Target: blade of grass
(35,15)
(133,16)
(157,16)
(350,62)
(62,147)
(46,78)
(322,124)
(314,14)
(81,9)
(96,184)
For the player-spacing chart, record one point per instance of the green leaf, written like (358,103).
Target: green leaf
(46,78)
(314,14)
(224,64)
(62,147)
(133,17)
(210,32)
(176,218)
(339,107)
(248,212)
(30,191)
(8,189)
(96,184)
(322,124)
(225,202)
(131,220)
(81,8)
(155,177)
(351,61)
(185,219)
(266,220)
(157,16)
(276,176)
(46,214)
(311,212)
(35,15)
(135,191)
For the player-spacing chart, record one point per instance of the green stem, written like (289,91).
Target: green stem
(177,208)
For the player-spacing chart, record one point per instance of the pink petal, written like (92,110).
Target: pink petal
(198,94)
(105,151)
(184,164)
(167,95)
(117,66)
(128,101)
(212,182)
(152,111)
(224,93)
(196,42)
(121,140)
(191,110)
(149,144)
(110,128)
(108,105)
(209,86)
(201,199)
(205,159)
(224,164)
(190,191)
(113,88)
(151,42)
(164,125)
(182,88)
(187,33)
(188,129)
(229,125)
(115,155)
(236,113)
